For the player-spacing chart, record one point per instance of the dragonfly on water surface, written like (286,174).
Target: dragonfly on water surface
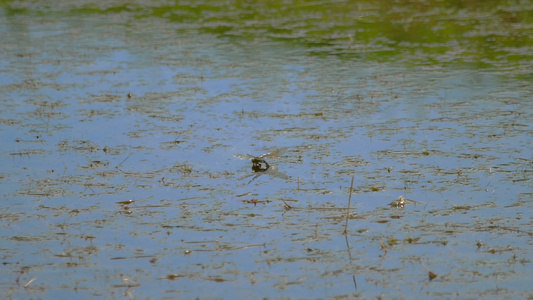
(401,201)
(260,166)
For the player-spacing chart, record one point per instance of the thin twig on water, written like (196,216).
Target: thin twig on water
(287,206)
(383,246)
(431,275)
(349,203)
(122,162)
(29,282)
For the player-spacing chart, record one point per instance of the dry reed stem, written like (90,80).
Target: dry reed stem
(349,203)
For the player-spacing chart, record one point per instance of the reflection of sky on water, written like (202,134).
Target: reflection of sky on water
(457,141)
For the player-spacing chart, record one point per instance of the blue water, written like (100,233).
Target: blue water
(455,140)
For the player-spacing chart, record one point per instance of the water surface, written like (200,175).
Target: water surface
(120,125)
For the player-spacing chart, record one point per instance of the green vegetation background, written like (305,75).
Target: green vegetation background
(479,33)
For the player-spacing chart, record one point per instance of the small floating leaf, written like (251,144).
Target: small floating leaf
(413,240)
(460,207)
(125,202)
(431,275)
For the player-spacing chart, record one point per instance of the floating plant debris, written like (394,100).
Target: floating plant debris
(104,102)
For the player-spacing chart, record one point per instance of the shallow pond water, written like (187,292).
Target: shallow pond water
(123,129)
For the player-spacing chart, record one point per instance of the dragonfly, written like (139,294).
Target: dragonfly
(260,166)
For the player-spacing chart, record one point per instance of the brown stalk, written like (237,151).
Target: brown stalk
(349,203)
